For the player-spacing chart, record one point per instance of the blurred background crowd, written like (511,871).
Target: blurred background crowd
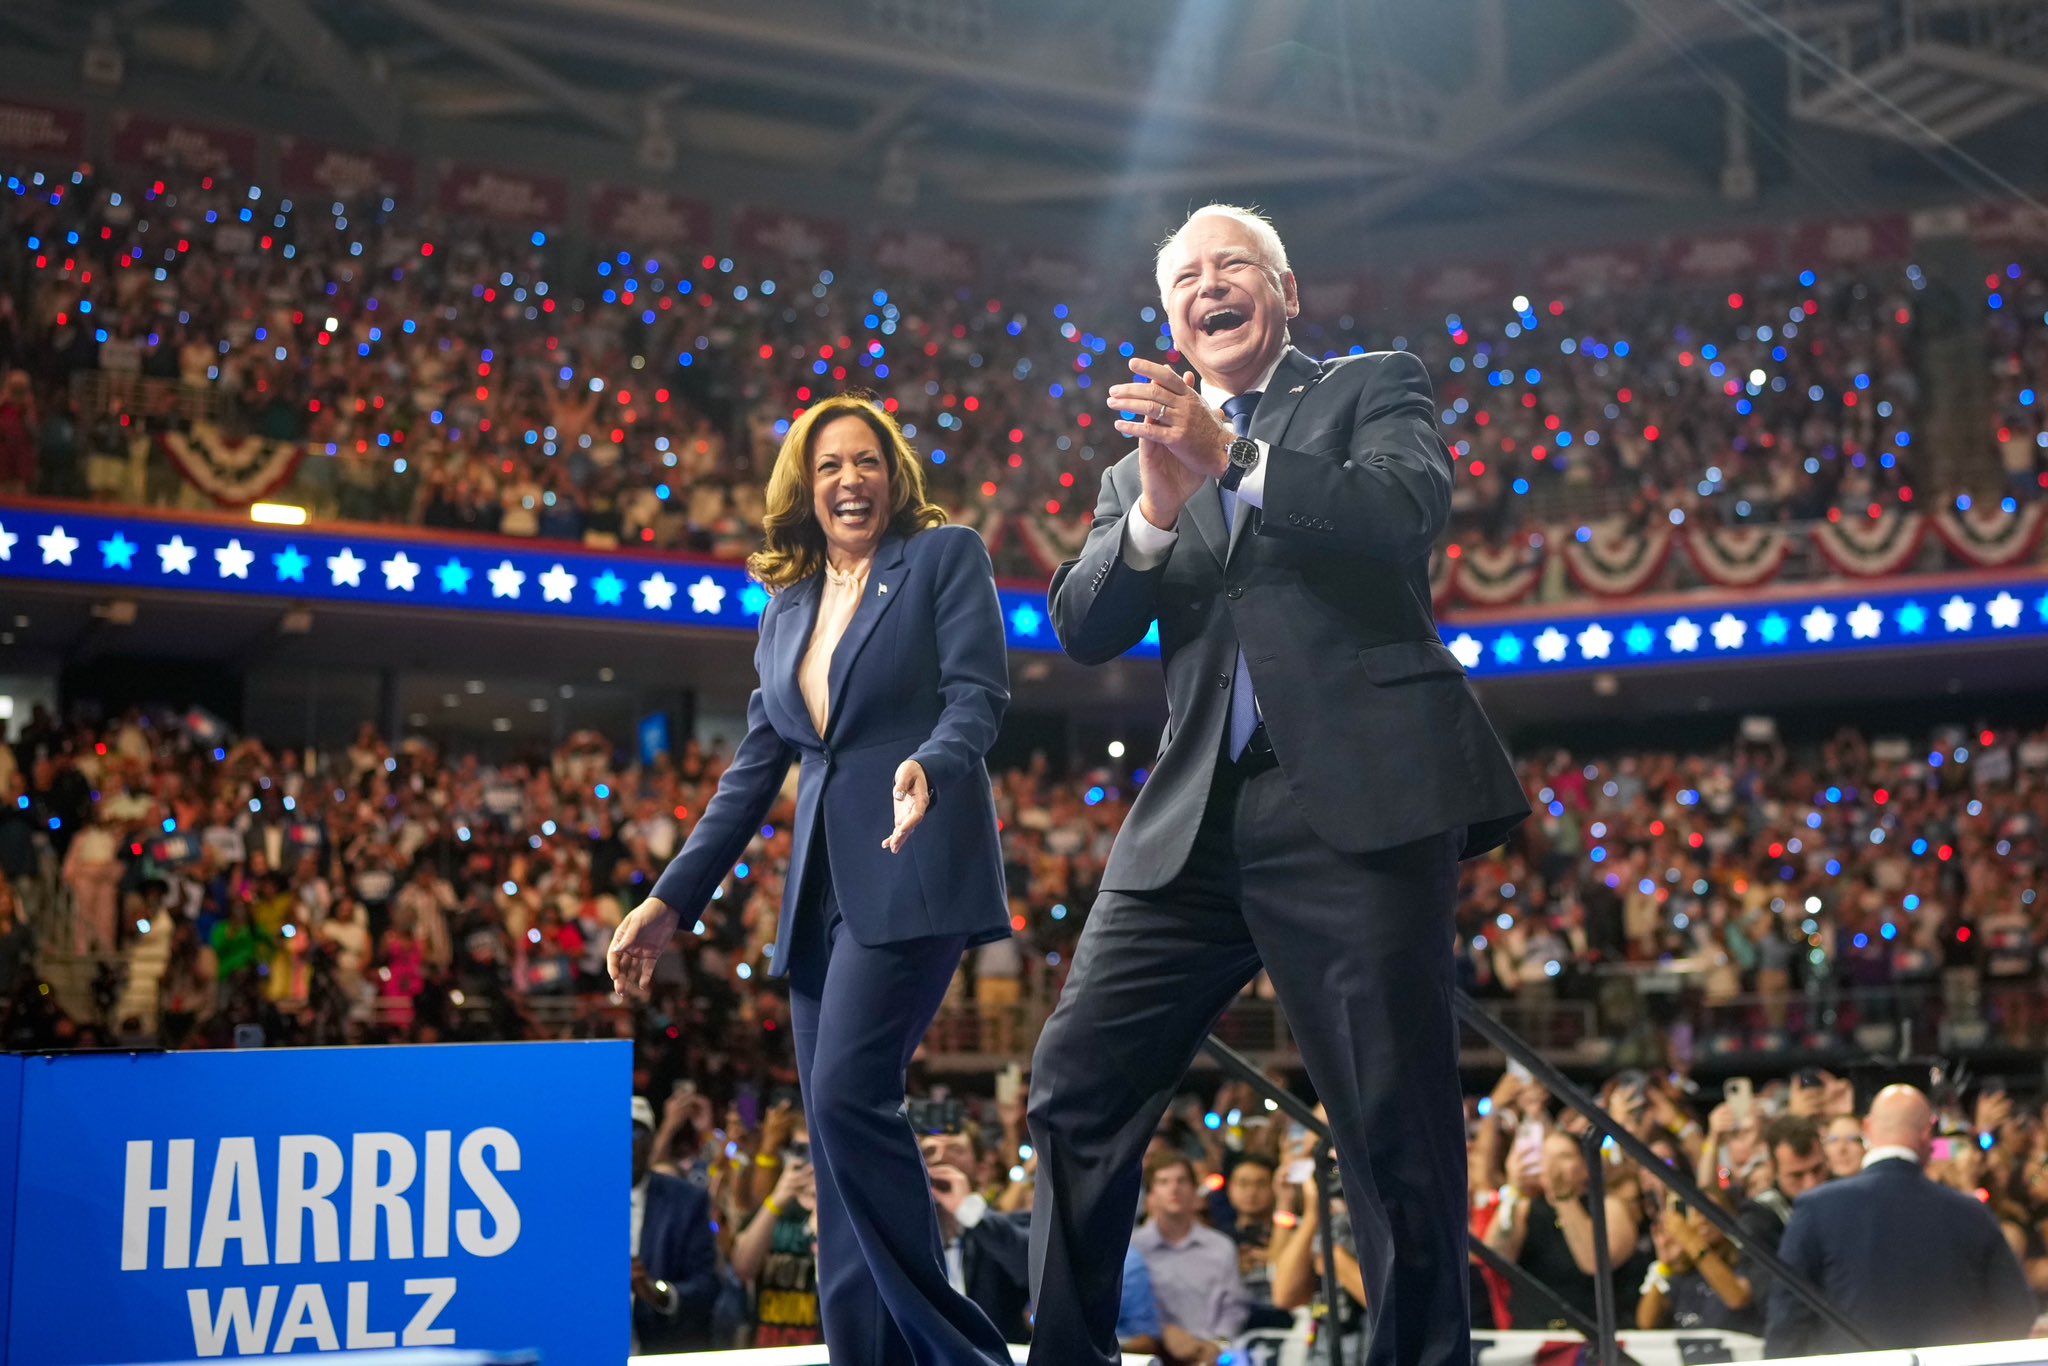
(1696,324)
(189,342)
(1665,919)
(1736,930)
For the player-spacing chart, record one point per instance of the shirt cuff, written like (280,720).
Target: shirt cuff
(1252,488)
(971,1212)
(1146,546)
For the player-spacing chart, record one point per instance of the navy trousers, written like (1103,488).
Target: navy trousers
(859,1014)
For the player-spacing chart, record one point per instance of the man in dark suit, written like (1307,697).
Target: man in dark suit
(987,1253)
(675,1259)
(1909,1261)
(1324,767)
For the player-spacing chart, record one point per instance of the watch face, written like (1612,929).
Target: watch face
(1244,453)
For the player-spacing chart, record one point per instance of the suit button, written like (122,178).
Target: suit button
(826,754)
(1235,592)
(1222,680)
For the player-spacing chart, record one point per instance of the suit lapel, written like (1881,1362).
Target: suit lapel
(884,581)
(794,624)
(1292,380)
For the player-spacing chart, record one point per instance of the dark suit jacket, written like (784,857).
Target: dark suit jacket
(1909,1261)
(996,1256)
(921,673)
(1377,731)
(676,1246)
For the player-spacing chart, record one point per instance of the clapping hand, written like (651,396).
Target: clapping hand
(1167,479)
(1172,413)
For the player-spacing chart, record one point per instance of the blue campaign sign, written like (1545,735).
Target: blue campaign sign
(190,1206)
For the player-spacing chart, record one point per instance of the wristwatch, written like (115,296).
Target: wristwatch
(1243,454)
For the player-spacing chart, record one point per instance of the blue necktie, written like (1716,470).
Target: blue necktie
(1244,706)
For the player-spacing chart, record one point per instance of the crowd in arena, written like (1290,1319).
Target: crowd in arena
(202,343)
(381,893)
(486,379)
(1865,875)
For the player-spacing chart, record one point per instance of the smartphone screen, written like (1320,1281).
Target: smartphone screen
(1300,1170)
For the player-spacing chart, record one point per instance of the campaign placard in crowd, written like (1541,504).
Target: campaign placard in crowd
(214,1205)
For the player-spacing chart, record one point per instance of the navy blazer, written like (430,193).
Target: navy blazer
(676,1246)
(1910,1262)
(921,673)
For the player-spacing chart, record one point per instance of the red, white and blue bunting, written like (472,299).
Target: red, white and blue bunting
(1739,556)
(1615,560)
(1051,541)
(1496,576)
(1871,547)
(1988,537)
(233,471)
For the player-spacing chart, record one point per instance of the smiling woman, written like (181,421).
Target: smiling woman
(882,672)
(849,447)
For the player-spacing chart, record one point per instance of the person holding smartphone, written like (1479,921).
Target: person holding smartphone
(1694,1285)
(883,675)
(776,1256)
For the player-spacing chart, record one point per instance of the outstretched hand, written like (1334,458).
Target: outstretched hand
(912,796)
(637,944)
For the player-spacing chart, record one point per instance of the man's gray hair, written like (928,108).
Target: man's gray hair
(1261,228)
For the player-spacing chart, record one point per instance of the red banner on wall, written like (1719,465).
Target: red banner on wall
(504,196)
(1593,270)
(649,218)
(143,141)
(926,255)
(1721,256)
(1850,241)
(1459,284)
(792,236)
(305,165)
(41,133)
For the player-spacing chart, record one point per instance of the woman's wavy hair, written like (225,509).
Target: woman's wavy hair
(792,542)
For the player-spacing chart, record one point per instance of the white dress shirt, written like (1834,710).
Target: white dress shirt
(1890,1151)
(1145,545)
(971,1212)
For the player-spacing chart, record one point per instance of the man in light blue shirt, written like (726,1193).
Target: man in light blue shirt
(1192,1267)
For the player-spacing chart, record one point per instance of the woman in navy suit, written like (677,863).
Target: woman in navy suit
(883,675)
